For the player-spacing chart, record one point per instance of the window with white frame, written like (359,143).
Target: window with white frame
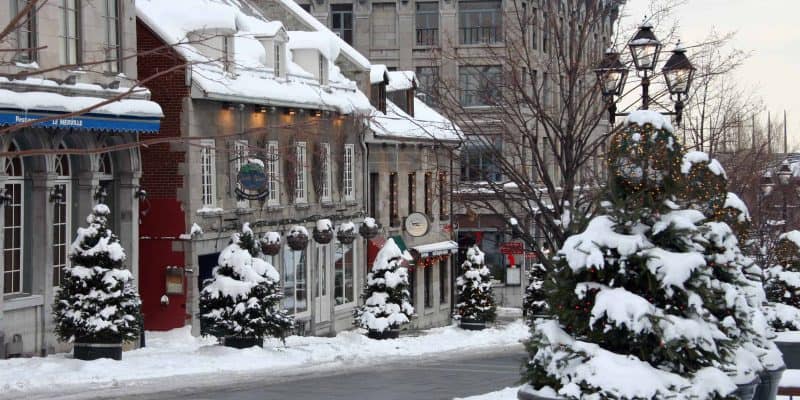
(13,225)
(301,167)
(326,172)
(239,159)
(208,178)
(344,278)
(295,293)
(113,42)
(61,218)
(70,31)
(278,49)
(349,185)
(273,161)
(25,33)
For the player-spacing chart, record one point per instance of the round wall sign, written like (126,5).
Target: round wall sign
(417,224)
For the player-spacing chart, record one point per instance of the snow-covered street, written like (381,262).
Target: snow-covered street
(176,359)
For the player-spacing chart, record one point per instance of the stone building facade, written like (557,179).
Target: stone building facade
(60,66)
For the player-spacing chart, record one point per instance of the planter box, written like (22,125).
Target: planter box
(243,342)
(526,392)
(391,333)
(472,324)
(768,388)
(791,353)
(747,390)
(87,350)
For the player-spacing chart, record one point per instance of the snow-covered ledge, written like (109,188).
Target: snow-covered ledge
(18,303)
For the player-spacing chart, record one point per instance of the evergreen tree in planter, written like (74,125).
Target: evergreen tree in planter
(97,306)
(633,295)
(535,302)
(386,296)
(241,304)
(782,283)
(475,306)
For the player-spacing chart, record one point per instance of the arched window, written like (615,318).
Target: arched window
(62,191)
(13,224)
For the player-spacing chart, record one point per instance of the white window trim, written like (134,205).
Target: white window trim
(326,179)
(70,9)
(278,61)
(351,304)
(63,180)
(113,51)
(301,177)
(209,151)
(309,291)
(349,172)
(273,169)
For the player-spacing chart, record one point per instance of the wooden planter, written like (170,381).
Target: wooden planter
(322,237)
(791,353)
(369,232)
(472,324)
(747,391)
(767,389)
(346,237)
(391,333)
(243,342)
(297,242)
(90,349)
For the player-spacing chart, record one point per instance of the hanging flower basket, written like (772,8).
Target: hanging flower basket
(323,232)
(271,243)
(369,229)
(346,233)
(297,239)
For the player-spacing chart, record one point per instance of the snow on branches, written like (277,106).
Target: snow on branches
(474,289)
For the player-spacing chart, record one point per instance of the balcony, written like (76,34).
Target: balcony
(480,35)
(427,36)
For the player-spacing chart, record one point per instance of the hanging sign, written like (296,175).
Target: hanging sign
(252,181)
(512,248)
(417,224)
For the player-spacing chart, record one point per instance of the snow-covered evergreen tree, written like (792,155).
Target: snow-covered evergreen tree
(535,301)
(651,291)
(386,295)
(782,283)
(97,302)
(243,298)
(474,289)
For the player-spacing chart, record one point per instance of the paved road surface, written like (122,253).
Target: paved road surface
(429,381)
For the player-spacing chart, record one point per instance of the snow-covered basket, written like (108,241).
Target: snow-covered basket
(323,231)
(346,233)
(297,239)
(271,243)
(370,228)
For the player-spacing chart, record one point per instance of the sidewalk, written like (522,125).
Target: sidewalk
(176,359)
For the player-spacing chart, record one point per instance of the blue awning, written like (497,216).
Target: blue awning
(91,122)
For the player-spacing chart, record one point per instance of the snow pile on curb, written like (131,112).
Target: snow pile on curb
(509,393)
(177,353)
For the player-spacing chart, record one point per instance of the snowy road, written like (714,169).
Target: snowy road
(433,380)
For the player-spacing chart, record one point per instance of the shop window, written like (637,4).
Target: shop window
(428,286)
(13,225)
(344,281)
(61,220)
(295,294)
(444,272)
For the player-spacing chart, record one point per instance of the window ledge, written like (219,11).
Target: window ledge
(429,311)
(481,45)
(17,302)
(244,210)
(444,306)
(327,204)
(302,206)
(345,308)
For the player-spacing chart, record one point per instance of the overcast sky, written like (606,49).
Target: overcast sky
(768,28)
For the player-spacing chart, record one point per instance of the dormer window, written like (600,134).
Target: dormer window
(227,53)
(277,62)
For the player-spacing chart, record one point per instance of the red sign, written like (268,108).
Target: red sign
(512,248)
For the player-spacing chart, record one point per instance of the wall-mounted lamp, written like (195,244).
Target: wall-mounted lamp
(318,113)
(140,193)
(261,109)
(228,106)
(290,111)
(57,193)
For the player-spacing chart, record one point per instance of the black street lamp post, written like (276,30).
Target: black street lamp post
(645,49)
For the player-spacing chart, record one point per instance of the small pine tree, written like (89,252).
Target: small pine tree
(386,296)
(474,287)
(535,301)
(782,283)
(97,302)
(243,298)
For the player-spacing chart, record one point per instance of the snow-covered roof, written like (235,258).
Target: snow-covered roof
(314,40)
(793,236)
(425,124)
(438,248)
(347,51)
(251,80)
(401,80)
(377,73)
(54,102)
